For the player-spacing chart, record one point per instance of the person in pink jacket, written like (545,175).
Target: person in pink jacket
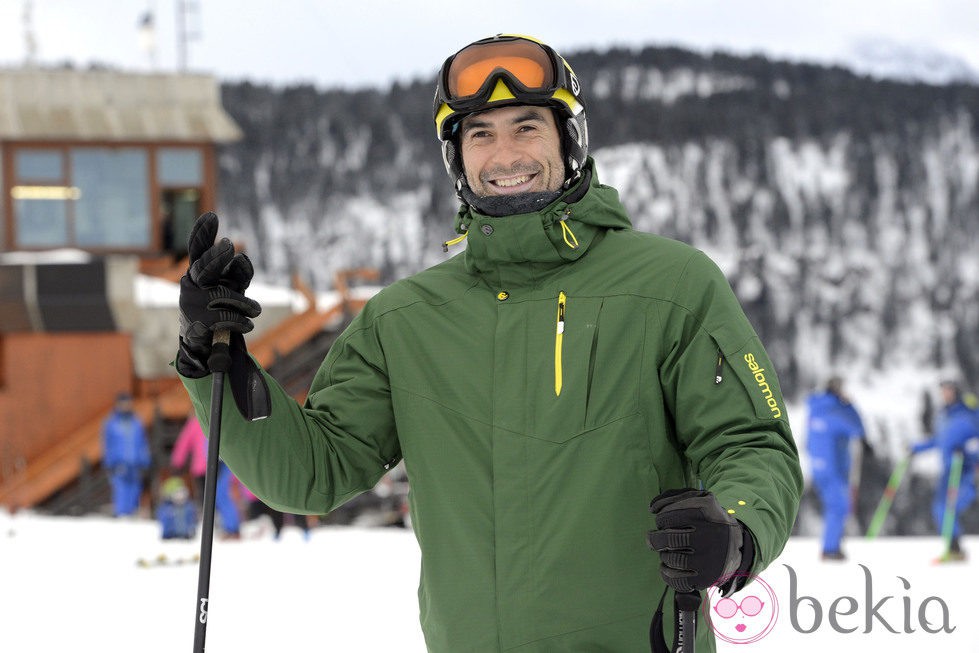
(191,443)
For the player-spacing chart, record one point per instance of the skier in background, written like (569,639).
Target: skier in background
(190,449)
(833,423)
(255,508)
(176,514)
(126,455)
(192,444)
(957,431)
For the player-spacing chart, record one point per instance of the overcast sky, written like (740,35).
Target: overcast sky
(373,42)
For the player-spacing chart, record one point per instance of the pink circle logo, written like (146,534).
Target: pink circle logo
(744,617)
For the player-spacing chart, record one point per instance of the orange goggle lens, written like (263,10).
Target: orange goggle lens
(526,62)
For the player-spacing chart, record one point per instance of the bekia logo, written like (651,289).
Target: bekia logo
(750,614)
(744,617)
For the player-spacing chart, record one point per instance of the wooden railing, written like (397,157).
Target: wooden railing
(62,462)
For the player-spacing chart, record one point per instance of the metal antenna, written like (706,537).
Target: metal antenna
(30,41)
(186,9)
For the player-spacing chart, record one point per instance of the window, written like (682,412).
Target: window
(113,208)
(179,166)
(41,198)
(42,165)
(104,197)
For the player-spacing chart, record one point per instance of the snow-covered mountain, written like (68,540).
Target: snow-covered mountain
(888,59)
(844,209)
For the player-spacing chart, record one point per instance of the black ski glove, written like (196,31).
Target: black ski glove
(211,299)
(698,542)
(211,296)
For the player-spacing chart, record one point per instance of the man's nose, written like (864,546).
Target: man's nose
(506,151)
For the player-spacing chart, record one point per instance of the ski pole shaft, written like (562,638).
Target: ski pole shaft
(884,507)
(219,363)
(951,499)
(687,604)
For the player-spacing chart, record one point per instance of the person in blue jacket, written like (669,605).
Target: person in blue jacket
(176,513)
(125,456)
(833,423)
(957,431)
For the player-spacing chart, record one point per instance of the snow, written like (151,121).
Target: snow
(71,580)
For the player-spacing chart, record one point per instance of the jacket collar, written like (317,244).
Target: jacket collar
(556,234)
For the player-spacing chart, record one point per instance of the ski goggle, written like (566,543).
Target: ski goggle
(750,606)
(506,68)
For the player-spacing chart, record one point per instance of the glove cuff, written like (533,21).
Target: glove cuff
(740,576)
(189,364)
(248,385)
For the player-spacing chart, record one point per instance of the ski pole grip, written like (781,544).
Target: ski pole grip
(220,358)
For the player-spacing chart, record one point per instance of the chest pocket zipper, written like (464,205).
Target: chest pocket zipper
(559,343)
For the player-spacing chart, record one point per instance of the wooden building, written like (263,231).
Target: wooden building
(101,176)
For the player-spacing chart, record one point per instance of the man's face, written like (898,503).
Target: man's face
(511,150)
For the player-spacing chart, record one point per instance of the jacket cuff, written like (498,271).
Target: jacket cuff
(740,577)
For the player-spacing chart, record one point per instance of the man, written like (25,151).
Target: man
(833,423)
(125,456)
(541,386)
(957,432)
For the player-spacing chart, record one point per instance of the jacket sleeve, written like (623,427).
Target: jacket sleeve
(729,413)
(110,453)
(924,445)
(181,449)
(312,458)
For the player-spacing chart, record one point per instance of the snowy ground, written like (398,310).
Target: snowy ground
(73,584)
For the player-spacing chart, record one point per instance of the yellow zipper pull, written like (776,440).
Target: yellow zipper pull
(558,343)
(449,243)
(566,231)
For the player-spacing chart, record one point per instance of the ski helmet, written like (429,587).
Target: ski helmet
(507,70)
(175,490)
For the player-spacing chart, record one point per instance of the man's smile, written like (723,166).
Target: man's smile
(512,184)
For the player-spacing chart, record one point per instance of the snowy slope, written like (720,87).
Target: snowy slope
(72,584)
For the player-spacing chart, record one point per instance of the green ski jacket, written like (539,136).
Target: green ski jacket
(542,387)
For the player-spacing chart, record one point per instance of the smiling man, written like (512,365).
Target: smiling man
(542,387)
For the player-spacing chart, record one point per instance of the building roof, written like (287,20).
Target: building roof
(107,105)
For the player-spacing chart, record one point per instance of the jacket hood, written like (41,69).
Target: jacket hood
(560,232)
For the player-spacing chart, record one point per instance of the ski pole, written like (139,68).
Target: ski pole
(686,624)
(219,362)
(856,470)
(884,507)
(951,498)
